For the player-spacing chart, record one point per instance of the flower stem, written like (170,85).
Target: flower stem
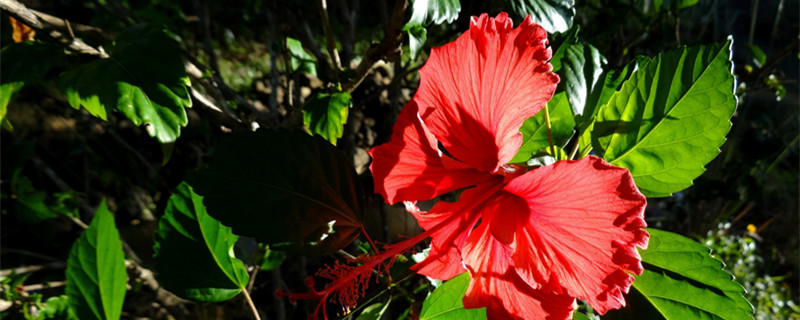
(548,127)
(250,303)
(575,147)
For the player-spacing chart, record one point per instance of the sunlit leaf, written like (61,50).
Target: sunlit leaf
(301,61)
(96,277)
(326,114)
(57,307)
(144,79)
(374,311)
(683,281)
(534,131)
(552,15)
(425,12)
(272,259)
(194,252)
(579,316)
(759,57)
(670,118)
(284,188)
(445,302)
(610,81)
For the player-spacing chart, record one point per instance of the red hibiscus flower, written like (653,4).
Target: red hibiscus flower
(532,241)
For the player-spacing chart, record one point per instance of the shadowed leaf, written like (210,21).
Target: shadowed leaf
(194,252)
(284,188)
(25,63)
(553,15)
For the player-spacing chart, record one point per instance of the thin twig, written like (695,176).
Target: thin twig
(31,269)
(47,30)
(55,29)
(324,71)
(348,16)
(251,304)
(273,69)
(205,28)
(389,48)
(575,147)
(80,30)
(766,69)
(40,286)
(253,275)
(6,250)
(330,40)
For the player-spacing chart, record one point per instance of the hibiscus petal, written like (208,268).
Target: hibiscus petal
(444,258)
(475,92)
(585,220)
(496,286)
(410,168)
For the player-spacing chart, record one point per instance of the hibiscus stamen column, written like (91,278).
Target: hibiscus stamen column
(349,280)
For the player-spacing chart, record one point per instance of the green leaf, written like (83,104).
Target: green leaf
(194,252)
(25,63)
(546,157)
(582,69)
(552,15)
(31,207)
(144,79)
(561,41)
(683,281)
(417,35)
(56,308)
(96,276)
(272,259)
(534,132)
(670,118)
(610,81)
(326,114)
(284,188)
(759,57)
(445,302)
(301,61)
(374,311)
(666,5)
(579,316)
(425,12)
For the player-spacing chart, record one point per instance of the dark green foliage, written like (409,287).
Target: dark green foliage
(285,188)
(194,252)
